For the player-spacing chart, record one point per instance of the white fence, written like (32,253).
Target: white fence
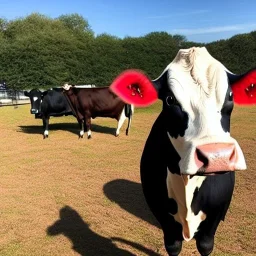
(12,97)
(17,97)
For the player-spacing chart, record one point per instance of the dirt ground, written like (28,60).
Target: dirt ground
(68,196)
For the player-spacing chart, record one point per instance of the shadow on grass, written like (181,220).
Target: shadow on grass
(85,241)
(129,196)
(38,129)
(103,129)
(71,127)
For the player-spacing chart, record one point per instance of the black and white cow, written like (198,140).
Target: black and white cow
(188,163)
(48,103)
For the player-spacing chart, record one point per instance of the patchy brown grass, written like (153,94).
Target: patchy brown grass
(70,196)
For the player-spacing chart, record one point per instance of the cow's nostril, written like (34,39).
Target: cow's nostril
(233,156)
(202,158)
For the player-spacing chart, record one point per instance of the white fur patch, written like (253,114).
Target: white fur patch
(35,98)
(132,108)
(182,191)
(66,86)
(120,122)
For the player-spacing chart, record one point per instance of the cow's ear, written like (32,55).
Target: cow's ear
(26,93)
(160,84)
(244,87)
(43,93)
(134,87)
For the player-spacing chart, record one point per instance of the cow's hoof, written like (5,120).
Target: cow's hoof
(80,136)
(205,245)
(117,135)
(126,133)
(46,136)
(89,137)
(173,249)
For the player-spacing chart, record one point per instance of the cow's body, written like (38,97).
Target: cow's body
(189,159)
(181,209)
(87,103)
(48,103)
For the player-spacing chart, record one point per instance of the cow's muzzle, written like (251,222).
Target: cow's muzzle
(216,158)
(34,111)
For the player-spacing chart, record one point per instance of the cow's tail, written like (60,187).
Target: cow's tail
(129,110)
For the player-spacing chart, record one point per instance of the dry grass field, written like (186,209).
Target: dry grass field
(65,196)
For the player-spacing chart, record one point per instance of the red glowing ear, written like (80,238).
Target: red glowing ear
(133,87)
(244,90)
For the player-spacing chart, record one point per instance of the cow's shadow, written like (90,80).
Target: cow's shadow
(70,127)
(129,196)
(31,129)
(85,241)
(38,129)
(103,129)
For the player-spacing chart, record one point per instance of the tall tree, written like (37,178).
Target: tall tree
(76,22)
(38,51)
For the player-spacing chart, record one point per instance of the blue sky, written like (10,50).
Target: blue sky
(199,21)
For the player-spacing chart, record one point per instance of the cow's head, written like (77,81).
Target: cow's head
(36,98)
(68,88)
(197,93)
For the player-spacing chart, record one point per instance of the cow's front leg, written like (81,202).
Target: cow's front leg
(88,127)
(218,190)
(120,123)
(172,237)
(205,236)
(46,126)
(205,245)
(81,128)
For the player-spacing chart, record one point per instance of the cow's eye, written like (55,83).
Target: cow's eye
(170,100)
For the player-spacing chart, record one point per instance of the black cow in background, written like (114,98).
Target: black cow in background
(48,103)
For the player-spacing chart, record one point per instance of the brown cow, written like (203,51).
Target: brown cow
(87,103)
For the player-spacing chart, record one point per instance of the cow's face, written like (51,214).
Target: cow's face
(197,121)
(197,103)
(36,97)
(68,89)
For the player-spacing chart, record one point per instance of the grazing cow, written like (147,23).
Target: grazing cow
(48,103)
(188,163)
(88,103)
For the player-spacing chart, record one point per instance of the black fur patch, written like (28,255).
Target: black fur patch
(226,110)
(127,110)
(172,206)
(214,195)
(176,120)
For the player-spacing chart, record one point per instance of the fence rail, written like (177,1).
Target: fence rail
(17,97)
(12,97)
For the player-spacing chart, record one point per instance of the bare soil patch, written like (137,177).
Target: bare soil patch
(68,196)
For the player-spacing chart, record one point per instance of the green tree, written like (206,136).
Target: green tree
(76,22)
(41,53)
(107,59)
(38,51)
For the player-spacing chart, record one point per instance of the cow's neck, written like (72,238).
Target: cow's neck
(182,191)
(72,102)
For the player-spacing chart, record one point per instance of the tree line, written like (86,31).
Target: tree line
(41,52)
